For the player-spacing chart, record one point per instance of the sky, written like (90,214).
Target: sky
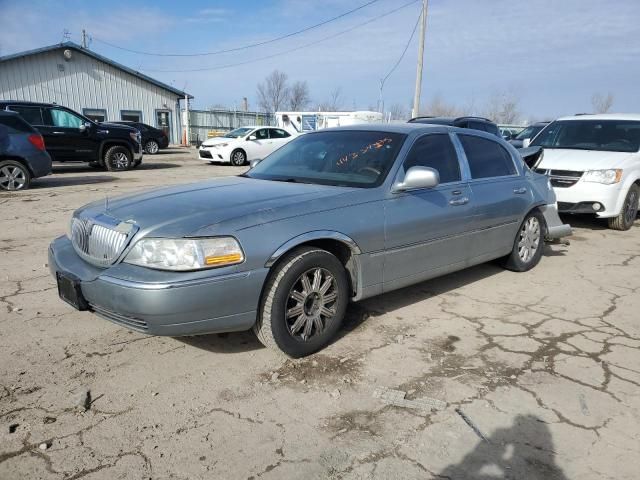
(552,55)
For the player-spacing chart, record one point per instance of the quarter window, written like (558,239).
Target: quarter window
(32,115)
(435,151)
(487,158)
(64,119)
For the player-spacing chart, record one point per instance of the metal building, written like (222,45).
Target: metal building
(91,84)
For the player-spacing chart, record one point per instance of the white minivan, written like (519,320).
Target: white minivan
(594,165)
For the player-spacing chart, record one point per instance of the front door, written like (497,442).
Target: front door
(163,121)
(258,144)
(66,137)
(500,193)
(427,230)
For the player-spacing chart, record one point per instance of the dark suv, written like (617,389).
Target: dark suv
(153,139)
(22,153)
(476,123)
(70,136)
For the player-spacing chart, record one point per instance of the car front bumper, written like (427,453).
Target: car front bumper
(578,197)
(213,155)
(173,306)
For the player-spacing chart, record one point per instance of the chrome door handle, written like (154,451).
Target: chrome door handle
(58,133)
(456,192)
(459,201)
(520,191)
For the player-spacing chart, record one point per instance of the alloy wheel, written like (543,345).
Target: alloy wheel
(529,239)
(120,160)
(238,158)
(152,147)
(12,178)
(311,303)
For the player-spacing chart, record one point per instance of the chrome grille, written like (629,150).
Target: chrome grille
(100,240)
(561,178)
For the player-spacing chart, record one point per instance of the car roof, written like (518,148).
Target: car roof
(33,104)
(448,120)
(405,128)
(604,116)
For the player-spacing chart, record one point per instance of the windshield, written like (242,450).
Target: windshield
(238,132)
(528,132)
(351,158)
(605,135)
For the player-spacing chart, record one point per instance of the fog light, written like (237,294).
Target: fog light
(596,206)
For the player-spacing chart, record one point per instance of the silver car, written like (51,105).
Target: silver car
(334,216)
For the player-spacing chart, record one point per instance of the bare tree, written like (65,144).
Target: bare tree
(399,112)
(602,103)
(299,98)
(273,93)
(503,108)
(437,107)
(335,101)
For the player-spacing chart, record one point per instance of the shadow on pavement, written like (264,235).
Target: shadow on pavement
(585,221)
(235,342)
(53,182)
(525,450)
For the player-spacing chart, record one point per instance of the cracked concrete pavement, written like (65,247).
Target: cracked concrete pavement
(539,372)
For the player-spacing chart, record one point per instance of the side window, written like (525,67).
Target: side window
(435,151)
(486,158)
(65,119)
(278,133)
(262,134)
(32,115)
(14,124)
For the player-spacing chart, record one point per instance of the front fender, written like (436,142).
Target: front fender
(310,236)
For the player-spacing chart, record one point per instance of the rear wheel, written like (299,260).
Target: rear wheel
(151,147)
(238,158)
(117,159)
(14,176)
(303,303)
(624,221)
(528,244)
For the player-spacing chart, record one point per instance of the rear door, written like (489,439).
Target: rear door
(427,230)
(500,192)
(278,138)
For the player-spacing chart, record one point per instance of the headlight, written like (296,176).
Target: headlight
(184,254)
(221,145)
(608,177)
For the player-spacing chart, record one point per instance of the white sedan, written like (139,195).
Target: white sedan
(244,145)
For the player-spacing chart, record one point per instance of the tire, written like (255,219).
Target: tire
(238,158)
(14,176)
(117,159)
(528,244)
(151,147)
(624,221)
(285,293)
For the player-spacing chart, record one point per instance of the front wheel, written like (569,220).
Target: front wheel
(624,221)
(117,159)
(238,158)
(14,176)
(304,302)
(528,244)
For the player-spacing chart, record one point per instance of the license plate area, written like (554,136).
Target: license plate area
(69,290)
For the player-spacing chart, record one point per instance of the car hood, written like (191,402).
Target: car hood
(581,160)
(228,203)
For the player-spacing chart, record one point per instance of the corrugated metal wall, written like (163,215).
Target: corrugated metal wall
(84,82)
(201,122)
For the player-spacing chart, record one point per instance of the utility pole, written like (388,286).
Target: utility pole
(186,114)
(84,38)
(415,111)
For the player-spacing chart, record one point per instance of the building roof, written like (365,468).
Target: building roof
(86,51)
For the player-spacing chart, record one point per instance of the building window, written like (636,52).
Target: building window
(131,115)
(95,114)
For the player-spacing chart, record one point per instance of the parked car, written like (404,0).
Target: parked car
(243,145)
(523,139)
(70,136)
(336,215)
(153,139)
(508,132)
(22,153)
(476,123)
(594,165)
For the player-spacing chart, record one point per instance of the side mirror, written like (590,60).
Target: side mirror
(418,177)
(254,162)
(83,127)
(252,137)
(526,142)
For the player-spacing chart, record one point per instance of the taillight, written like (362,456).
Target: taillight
(37,141)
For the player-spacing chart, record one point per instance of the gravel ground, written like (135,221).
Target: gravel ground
(480,374)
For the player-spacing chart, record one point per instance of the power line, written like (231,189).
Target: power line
(285,52)
(403,52)
(244,47)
